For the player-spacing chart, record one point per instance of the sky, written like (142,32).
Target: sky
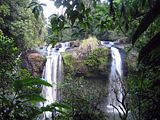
(50,8)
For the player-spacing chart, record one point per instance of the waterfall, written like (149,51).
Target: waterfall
(111,104)
(115,88)
(65,46)
(52,73)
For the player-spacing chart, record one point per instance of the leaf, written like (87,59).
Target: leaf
(5,100)
(73,16)
(31,97)
(36,12)
(82,6)
(81,30)
(20,84)
(32,4)
(52,16)
(146,21)
(95,3)
(59,107)
(37,81)
(75,34)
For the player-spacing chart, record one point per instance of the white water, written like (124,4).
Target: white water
(111,104)
(65,46)
(52,73)
(115,82)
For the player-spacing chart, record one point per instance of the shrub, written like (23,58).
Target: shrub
(83,98)
(69,63)
(96,61)
(8,56)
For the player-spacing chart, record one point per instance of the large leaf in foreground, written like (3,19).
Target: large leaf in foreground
(59,107)
(20,84)
(31,97)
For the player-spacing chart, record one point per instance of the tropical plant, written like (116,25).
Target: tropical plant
(8,57)
(20,104)
(83,98)
(37,8)
(57,23)
(145,19)
(96,60)
(20,92)
(18,22)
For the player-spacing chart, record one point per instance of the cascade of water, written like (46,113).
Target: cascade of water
(65,46)
(112,104)
(60,76)
(115,84)
(52,73)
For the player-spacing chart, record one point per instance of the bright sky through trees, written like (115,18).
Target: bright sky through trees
(51,9)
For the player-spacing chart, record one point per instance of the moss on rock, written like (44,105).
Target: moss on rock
(89,59)
(68,62)
(96,61)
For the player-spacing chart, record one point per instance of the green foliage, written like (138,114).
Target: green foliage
(7,53)
(4,9)
(21,102)
(74,11)
(18,22)
(151,48)
(96,60)
(37,8)
(69,63)
(83,98)
(144,90)
(53,42)
(77,21)
(57,23)
(62,109)
(19,90)
(139,20)
(8,57)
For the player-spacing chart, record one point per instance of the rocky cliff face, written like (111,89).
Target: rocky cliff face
(88,59)
(33,62)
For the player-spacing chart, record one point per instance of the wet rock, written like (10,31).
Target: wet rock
(74,43)
(33,62)
(122,40)
(58,46)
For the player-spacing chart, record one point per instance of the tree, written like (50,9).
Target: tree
(19,23)
(8,55)
(139,20)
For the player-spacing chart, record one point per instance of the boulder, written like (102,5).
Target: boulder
(122,40)
(85,47)
(88,59)
(74,43)
(33,62)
